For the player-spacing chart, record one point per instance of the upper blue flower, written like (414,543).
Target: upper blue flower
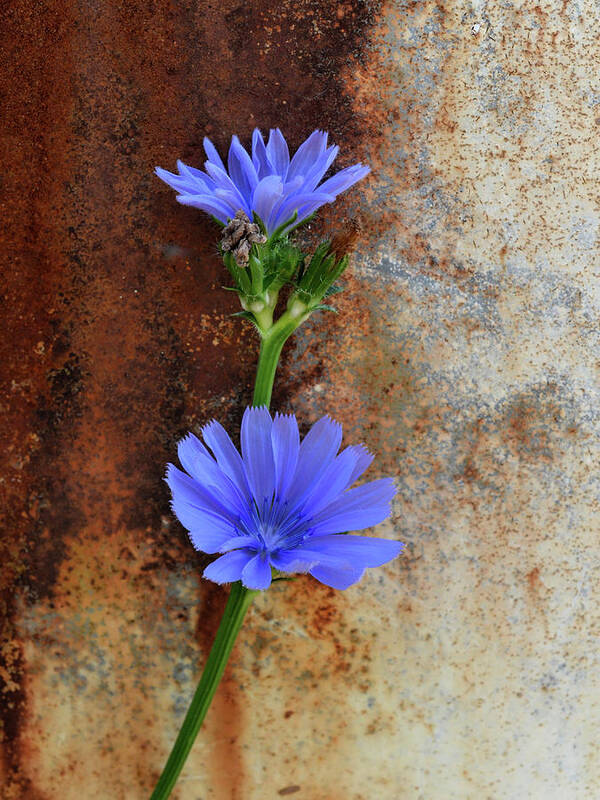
(269,183)
(282,503)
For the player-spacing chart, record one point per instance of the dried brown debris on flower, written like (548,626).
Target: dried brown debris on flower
(239,236)
(343,243)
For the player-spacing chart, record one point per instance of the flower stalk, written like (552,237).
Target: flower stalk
(272,341)
(233,616)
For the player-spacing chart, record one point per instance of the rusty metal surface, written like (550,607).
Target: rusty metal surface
(466,357)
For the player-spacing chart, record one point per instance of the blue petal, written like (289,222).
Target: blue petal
(197,462)
(193,456)
(210,540)
(239,541)
(209,203)
(229,567)
(334,571)
(286,447)
(257,453)
(364,460)
(224,182)
(334,480)
(257,573)
(320,168)
(278,153)
(232,199)
(212,154)
(337,578)
(201,515)
(317,451)
(268,192)
(261,162)
(360,551)
(303,204)
(177,182)
(356,509)
(344,179)
(291,561)
(292,187)
(197,177)
(241,169)
(303,559)
(187,491)
(194,517)
(228,458)
(308,154)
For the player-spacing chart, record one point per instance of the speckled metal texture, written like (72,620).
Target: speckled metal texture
(465,355)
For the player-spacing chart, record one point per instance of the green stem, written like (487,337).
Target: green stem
(233,616)
(271,345)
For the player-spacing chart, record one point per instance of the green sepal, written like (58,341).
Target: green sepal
(239,275)
(304,296)
(248,315)
(279,230)
(280,262)
(301,271)
(324,307)
(218,221)
(258,221)
(316,279)
(255,268)
(268,281)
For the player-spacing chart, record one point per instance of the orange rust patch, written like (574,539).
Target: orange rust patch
(533,578)
(121,339)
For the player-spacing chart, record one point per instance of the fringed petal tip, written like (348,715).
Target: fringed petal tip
(169,473)
(228,568)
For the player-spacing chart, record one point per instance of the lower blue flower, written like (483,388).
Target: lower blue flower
(282,503)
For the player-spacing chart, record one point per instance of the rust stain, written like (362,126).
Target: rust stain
(121,339)
(533,579)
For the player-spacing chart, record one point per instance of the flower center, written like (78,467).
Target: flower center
(276,528)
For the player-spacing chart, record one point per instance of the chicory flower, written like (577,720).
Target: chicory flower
(282,503)
(268,183)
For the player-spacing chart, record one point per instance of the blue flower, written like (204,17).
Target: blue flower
(269,183)
(282,503)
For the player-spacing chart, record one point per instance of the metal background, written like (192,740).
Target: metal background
(465,355)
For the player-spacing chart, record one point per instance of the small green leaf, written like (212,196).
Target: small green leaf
(247,315)
(269,280)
